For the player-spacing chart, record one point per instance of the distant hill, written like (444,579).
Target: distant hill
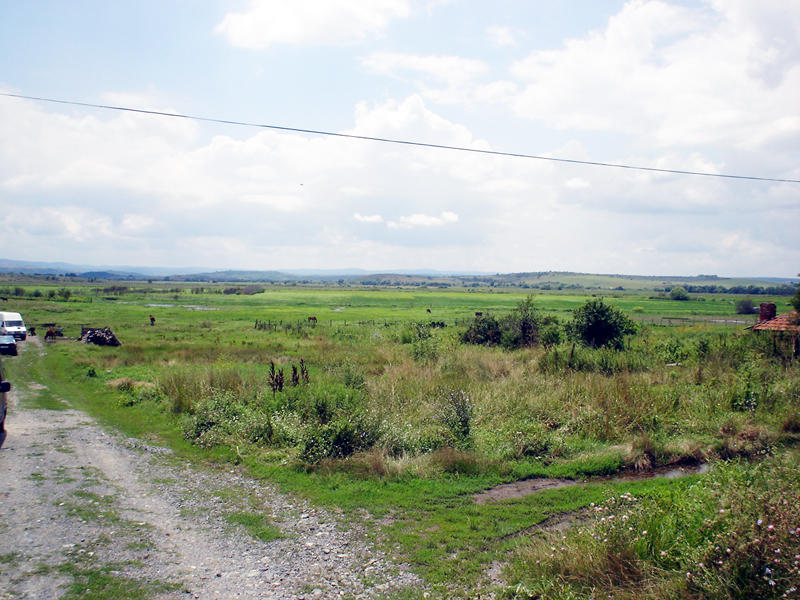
(533,281)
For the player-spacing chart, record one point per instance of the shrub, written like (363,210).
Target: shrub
(678,293)
(744,307)
(598,324)
(484,331)
(454,409)
(338,439)
(521,328)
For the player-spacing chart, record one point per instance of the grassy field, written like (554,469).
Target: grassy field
(381,411)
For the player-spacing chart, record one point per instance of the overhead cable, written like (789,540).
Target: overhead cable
(404,142)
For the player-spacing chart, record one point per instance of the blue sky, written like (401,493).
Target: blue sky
(709,86)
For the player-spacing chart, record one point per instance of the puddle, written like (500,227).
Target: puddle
(520,489)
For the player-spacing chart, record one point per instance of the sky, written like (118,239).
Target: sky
(709,86)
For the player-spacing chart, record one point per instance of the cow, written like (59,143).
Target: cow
(312,320)
(50,336)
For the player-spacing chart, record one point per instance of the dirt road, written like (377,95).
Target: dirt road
(87,513)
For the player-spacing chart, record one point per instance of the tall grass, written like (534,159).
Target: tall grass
(549,404)
(733,534)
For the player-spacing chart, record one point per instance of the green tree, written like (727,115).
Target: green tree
(795,301)
(597,324)
(678,293)
(744,307)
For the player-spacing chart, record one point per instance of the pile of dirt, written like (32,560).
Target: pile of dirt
(100,337)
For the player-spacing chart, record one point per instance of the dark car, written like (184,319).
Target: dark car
(8,345)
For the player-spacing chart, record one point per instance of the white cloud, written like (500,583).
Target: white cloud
(368,218)
(673,76)
(577,183)
(136,224)
(87,185)
(501,36)
(413,121)
(452,70)
(722,78)
(456,73)
(420,220)
(309,22)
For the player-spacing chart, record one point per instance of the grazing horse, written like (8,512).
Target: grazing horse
(312,320)
(428,309)
(478,314)
(50,336)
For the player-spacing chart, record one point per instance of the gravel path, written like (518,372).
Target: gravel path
(82,508)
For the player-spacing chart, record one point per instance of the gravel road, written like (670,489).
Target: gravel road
(83,508)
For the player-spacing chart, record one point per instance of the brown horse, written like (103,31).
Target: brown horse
(50,336)
(312,320)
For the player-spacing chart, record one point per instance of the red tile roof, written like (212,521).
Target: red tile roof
(788,322)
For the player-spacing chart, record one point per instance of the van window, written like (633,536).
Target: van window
(13,324)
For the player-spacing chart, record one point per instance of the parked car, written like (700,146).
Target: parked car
(8,345)
(5,387)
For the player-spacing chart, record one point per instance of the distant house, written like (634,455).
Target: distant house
(781,326)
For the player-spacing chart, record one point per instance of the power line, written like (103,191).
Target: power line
(403,142)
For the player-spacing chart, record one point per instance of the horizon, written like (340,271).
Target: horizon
(657,88)
(147,271)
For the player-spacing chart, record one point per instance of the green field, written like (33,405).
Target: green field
(382,409)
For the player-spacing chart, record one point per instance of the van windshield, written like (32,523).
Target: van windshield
(13,324)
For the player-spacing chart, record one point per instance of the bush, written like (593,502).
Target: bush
(484,331)
(338,439)
(522,328)
(597,324)
(678,293)
(745,307)
(454,409)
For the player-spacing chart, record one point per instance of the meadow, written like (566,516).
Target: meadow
(381,409)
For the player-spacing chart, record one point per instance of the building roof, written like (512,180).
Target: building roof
(789,322)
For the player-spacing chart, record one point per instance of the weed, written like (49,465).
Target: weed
(257,525)
(37,477)
(104,583)
(726,536)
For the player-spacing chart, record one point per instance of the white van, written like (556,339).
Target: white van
(12,324)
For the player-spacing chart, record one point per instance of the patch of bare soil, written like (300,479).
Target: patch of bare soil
(521,489)
(82,506)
